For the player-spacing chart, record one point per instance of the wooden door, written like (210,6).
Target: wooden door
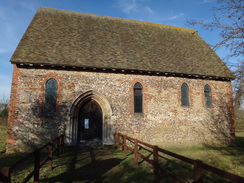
(90,121)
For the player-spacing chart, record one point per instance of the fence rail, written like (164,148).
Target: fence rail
(54,146)
(199,166)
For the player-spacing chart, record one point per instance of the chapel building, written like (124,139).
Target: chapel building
(90,76)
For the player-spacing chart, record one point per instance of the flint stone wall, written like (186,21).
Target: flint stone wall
(164,121)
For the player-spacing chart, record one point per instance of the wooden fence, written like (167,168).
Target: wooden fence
(54,146)
(122,141)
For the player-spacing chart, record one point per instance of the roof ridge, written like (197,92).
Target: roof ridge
(131,20)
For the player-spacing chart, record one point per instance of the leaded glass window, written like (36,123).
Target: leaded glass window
(50,102)
(185,95)
(207,96)
(138,98)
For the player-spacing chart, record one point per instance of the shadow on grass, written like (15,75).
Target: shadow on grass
(227,158)
(235,152)
(6,160)
(240,140)
(85,165)
(97,165)
(19,173)
(103,165)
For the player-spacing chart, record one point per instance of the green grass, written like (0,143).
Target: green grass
(3,135)
(3,120)
(240,139)
(239,120)
(112,166)
(226,158)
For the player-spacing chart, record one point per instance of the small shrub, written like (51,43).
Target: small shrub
(3,135)
(3,121)
(4,104)
(3,114)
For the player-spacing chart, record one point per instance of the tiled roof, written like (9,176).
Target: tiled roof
(66,38)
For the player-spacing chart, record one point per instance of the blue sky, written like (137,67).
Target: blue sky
(15,16)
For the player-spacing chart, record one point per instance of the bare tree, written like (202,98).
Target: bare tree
(239,86)
(228,19)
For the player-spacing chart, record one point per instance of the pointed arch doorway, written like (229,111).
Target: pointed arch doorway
(90,118)
(90,121)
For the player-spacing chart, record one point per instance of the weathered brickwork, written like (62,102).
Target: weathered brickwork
(164,121)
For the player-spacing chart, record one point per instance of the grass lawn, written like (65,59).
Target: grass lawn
(3,135)
(229,158)
(111,166)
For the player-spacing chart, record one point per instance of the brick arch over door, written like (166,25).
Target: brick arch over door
(72,127)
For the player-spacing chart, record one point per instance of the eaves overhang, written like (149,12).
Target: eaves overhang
(122,70)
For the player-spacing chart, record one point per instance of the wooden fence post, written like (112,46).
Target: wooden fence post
(136,153)
(198,175)
(125,146)
(155,164)
(62,143)
(50,149)
(117,138)
(5,175)
(37,157)
(120,139)
(59,144)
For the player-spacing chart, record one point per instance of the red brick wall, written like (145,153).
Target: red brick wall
(12,119)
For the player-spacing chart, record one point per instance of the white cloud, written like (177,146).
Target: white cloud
(9,36)
(143,11)
(28,5)
(148,9)
(204,1)
(174,17)
(128,6)
(2,50)
(134,6)
(15,16)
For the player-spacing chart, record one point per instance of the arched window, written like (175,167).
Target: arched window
(138,98)
(185,95)
(50,100)
(207,96)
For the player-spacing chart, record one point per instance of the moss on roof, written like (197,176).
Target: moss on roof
(59,37)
